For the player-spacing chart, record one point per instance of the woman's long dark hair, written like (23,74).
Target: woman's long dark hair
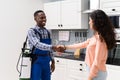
(104,27)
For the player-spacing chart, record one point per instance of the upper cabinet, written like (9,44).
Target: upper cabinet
(111,7)
(66,14)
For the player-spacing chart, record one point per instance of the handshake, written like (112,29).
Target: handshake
(59,48)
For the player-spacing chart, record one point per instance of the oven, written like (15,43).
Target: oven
(114,54)
(115,21)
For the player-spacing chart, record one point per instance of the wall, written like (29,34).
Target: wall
(45,1)
(16,16)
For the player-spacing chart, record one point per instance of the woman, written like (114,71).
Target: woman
(97,46)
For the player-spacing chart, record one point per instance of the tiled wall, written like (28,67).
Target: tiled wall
(75,36)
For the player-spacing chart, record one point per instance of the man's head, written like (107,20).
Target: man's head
(40,18)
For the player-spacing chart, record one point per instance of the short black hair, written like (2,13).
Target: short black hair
(36,12)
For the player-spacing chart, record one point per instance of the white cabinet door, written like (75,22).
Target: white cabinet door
(52,11)
(111,7)
(69,14)
(76,70)
(113,72)
(65,15)
(67,69)
(60,69)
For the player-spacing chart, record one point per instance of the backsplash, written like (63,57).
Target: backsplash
(75,36)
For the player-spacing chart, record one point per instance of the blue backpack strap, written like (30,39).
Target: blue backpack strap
(48,33)
(36,32)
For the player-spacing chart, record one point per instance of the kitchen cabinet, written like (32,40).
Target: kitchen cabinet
(76,70)
(113,72)
(66,14)
(67,69)
(111,7)
(60,69)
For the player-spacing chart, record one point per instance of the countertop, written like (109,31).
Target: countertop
(70,55)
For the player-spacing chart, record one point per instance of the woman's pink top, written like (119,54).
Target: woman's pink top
(96,54)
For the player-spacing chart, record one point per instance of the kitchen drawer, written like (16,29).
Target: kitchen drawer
(60,61)
(113,67)
(74,64)
(76,78)
(111,7)
(112,10)
(76,75)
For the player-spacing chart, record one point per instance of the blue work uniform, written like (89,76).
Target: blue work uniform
(40,68)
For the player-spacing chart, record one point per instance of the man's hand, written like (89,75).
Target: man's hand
(59,48)
(52,65)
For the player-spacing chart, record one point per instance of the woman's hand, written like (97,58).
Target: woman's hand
(59,48)
(89,78)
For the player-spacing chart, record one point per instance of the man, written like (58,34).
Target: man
(40,43)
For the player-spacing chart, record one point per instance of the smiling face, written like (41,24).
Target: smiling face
(40,19)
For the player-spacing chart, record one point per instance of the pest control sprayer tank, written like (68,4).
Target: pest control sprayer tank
(24,63)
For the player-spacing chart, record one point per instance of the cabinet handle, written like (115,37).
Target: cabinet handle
(58,25)
(61,25)
(80,64)
(113,9)
(57,60)
(80,69)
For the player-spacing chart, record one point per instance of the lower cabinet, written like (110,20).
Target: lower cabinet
(113,72)
(67,69)
(60,69)
(76,70)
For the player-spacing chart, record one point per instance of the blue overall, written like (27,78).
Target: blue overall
(40,68)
